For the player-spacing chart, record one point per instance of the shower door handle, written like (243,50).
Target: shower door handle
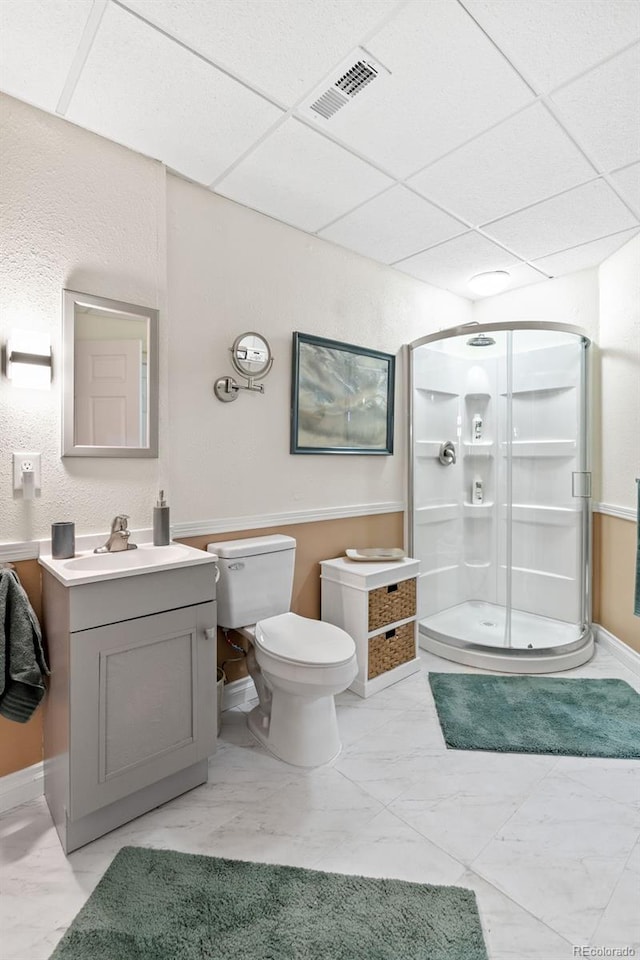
(447,454)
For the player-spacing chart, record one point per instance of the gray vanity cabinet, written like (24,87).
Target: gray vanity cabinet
(130,718)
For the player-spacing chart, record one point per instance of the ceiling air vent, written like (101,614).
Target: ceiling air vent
(350,79)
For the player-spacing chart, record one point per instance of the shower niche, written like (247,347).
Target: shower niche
(503,542)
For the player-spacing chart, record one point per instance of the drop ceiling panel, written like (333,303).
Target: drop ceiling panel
(554,40)
(585,256)
(298,176)
(524,159)
(577,216)
(448,82)
(602,110)
(147,92)
(448,264)
(393,226)
(243,36)
(454,115)
(38,43)
(627,182)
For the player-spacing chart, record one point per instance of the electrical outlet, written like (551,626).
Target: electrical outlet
(25,461)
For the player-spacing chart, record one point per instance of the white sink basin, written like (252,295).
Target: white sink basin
(145,556)
(89,567)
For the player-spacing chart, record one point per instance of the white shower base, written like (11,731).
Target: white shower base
(473,633)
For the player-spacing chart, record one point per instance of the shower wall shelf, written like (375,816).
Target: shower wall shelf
(478,448)
(447,394)
(532,513)
(478,510)
(539,448)
(530,570)
(539,388)
(437,512)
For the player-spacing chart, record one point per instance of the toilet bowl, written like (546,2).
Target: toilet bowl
(304,664)
(297,664)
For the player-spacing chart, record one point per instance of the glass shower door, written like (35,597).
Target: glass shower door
(543,457)
(456,495)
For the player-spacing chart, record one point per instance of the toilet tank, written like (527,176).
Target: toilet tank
(256,578)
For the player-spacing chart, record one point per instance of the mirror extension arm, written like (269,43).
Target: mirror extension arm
(227,389)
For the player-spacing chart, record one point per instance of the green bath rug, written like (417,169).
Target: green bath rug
(163,905)
(575,718)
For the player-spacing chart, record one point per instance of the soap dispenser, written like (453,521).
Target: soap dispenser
(161,532)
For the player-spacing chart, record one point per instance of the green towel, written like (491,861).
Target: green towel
(22,661)
(636,608)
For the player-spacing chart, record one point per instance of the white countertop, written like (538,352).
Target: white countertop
(89,567)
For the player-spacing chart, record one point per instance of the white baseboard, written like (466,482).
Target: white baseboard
(238,692)
(621,651)
(23,785)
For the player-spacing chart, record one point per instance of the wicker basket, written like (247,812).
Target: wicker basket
(397,601)
(391,648)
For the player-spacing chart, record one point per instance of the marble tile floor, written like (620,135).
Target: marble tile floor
(550,845)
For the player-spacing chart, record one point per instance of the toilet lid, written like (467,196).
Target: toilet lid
(304,641)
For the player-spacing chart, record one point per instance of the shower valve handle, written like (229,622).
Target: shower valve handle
(447,453)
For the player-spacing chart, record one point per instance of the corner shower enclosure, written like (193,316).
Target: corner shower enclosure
(499,495)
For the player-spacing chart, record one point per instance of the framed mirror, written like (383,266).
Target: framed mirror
(110,377)
(251,356)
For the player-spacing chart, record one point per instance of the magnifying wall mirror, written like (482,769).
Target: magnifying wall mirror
(110,378)
(251,358)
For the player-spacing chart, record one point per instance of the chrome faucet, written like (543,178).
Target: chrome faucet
(119,536)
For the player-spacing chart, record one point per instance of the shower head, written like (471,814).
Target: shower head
(480,340)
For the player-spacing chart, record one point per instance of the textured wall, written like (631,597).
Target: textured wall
(619,342)
(231,270)
(84,213)
(77,212)
(570,299)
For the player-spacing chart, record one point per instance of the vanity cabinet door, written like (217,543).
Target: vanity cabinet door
(142,703)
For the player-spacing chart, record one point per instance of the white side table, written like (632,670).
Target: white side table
(376,604)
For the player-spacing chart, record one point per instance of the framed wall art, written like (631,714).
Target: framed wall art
(341,397)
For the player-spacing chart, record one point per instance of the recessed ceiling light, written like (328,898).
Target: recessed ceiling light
(486,283)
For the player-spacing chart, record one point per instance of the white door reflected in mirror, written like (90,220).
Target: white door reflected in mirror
(110,396)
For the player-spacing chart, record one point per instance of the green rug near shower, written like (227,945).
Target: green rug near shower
(569,717)
(163,905)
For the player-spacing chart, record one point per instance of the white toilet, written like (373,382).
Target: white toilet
(297,664)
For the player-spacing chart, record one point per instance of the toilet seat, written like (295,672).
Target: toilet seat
(299,640)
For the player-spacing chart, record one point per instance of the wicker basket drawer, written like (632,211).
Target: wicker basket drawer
(391,648)
(397,601)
